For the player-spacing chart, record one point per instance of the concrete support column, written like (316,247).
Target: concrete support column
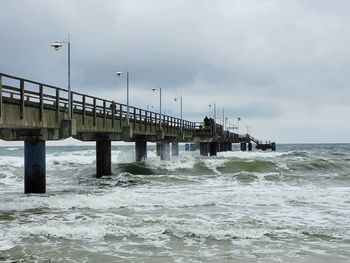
(203,148)
(175,148)
(165,150)
(158,148)
(103,158)
(140,150)
(213,148)
(273,146)
(243,147)
(229,147)
(34,167)
(218,148)
(250,146)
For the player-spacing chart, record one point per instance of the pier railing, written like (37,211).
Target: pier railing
(27,92)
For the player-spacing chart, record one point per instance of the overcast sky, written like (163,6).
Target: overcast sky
(282,66)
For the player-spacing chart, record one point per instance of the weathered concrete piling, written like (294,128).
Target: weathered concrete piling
(34,166)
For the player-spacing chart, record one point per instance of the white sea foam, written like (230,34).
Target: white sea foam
(251,155)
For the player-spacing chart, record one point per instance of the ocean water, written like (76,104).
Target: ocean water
(292,205)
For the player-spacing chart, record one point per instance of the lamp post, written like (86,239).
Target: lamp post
(119,73)
(160,105)
(180,98)
(57,45)
(210,105)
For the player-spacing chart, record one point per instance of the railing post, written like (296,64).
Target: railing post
(72,105)
(121,115)
(22,98)
(0,95)
(94,105)
(57,103)
(134,119)
(140,117)
(145,120)
(84,109)
(104,113)
(113,113)
(41,111)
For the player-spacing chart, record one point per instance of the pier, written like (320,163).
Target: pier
(35,112)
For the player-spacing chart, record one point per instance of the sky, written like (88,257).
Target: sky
(281,66)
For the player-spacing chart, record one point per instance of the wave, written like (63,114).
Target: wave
(247,166)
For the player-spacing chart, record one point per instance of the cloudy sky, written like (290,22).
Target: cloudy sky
(282,66)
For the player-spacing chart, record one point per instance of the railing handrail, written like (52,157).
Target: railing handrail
(153,116)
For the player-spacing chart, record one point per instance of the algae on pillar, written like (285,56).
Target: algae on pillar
(34,167)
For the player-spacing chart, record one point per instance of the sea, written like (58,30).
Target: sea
(292,205)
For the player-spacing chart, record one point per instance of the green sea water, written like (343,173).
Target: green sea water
(292,205)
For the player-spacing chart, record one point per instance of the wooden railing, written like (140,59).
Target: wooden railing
(28,92)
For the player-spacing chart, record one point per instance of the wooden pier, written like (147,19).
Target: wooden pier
(35,112)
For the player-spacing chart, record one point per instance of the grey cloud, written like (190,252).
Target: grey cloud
(256,58)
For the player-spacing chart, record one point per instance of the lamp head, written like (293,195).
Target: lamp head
(175,99)
(56,45)
(154,89)
(119,73)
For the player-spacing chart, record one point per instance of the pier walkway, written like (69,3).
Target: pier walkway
(35,112)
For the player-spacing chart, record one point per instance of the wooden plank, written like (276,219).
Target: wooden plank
(22,98)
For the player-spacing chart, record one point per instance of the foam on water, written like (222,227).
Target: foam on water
(234,206)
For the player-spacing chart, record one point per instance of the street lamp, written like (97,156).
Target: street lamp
(57,45)
(119,73)
(210,105)
(180,98)
(160,105)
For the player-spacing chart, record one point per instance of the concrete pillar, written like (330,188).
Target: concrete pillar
(243,147)
(158,147)
(203,148)
(165,150)
(273,146)
(250,146)
(224,147)
(34,167)
(140,150)
(175,148)
(218,147)
(103,158)
(229,147)
(213,148)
